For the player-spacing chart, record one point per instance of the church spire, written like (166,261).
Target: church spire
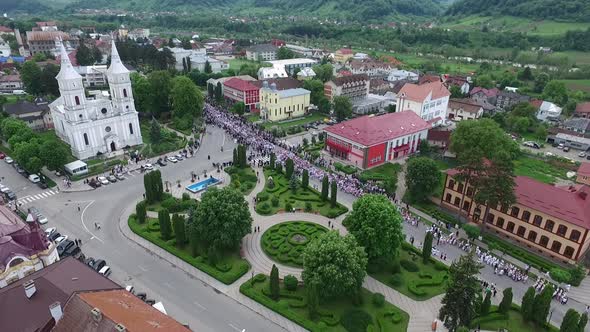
(66,71)
(117,67)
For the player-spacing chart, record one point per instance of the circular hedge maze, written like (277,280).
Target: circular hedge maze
(285,242)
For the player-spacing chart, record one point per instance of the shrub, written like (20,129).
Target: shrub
(290,282)
(409,265)
(308,207)
(472,232)
(395,266)
(578,274)
(274,201)
(263,208)
(396,280)
(186,197)
(288,207)
(356,320)
(262,196)
(560,275)
(378,300)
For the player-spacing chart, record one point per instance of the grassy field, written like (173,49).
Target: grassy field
(299,122)
(235,64)
(582,85)
(252,117)
(539,170)
(516,24)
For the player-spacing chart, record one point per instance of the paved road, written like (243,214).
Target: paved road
(186,299)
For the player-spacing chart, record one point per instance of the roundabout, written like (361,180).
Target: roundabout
(285,242)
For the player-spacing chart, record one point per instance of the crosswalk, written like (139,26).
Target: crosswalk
(32,198)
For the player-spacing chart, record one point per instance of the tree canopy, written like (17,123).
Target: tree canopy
(422,178)
(187,102)
(342,108)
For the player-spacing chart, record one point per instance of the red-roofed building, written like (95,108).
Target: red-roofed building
(584,174)
(6,31)
(583,110)
(238,90)
(429,100)
(545,219)
(370,141)
(343,55)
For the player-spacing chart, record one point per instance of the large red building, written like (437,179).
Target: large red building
(370,141)
(237,90)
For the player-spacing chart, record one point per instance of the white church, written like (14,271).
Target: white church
(101,125)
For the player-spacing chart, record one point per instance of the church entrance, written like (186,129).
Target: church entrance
(113,147)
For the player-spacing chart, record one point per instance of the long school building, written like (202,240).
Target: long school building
(370,141)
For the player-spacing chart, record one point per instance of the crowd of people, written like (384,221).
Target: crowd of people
(501,267)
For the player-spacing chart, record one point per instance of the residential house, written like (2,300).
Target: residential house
(361,56)
(508,99)
(46,26)
(459,81)
(9,83)
(36,114)
(343,55)
(265,73)
(546,219)
(37,294)
(181,55)
(6,31)
(280,83)
(136,34)
(278,43)
(583,110)
(401,74)
(237,90)
(372,68)
(93,76)
(439,138)
(262,52)
(548,111)
(278,105)
(464,109)
(221,80)
(45,41)
(5,50)
(371,140)
(583,174)
(425,79)
(484,96)
(199,61)
(429,101)
(579,125)
(300,50)
(24,248)
(113,310)
(306,73)
(353,86)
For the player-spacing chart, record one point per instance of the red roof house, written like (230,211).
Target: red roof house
(583,110)
(238,90)
(584,174)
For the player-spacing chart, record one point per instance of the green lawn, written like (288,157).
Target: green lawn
(228,269)
(293,305)
(173,204)
(582,85)
(297,122)
(187,132)
(242,179)
(539,170)
(273,199)
(252,117)
(512,322)
(235,64)
(516,24)
(427,281)
(285,242)
(170,142)
(381,173)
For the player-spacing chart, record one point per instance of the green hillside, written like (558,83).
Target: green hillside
(556,10)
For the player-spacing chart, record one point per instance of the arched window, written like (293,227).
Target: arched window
(77,99)
(549,225)
(544,241)
(568,252)
(555,246)
(131,129)
(532,236)
(561,230)
(575,235)
(510,227)
(500,222)
(86,139)
(124,92)
(526,215)
(520,231)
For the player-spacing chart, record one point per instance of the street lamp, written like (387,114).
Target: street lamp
(166,182)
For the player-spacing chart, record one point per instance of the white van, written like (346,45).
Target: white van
(18,92)
(105,271)
(34,178)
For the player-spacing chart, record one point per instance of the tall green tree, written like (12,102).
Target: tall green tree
(53,154)
(305,179)
(285,53)
(506,302)
(238,108)
(210,90)
(377,226)
(30,73)
(422,178)
(313,300)
(165,226)
(84,55)
(540,82)
(160,87)
(274,283)
(207,68)
(458,303)
(487,304)
(187,102)
(570,321)
(526,307)
(335,264)
(218,93)
(556,91)
(178,223)
(582,323)
(49,84)
(427,247)
(325,184)
(235,159)
(333,194)
(342,108)
(273,159)
(542,305)
(141,92)
(289,168)
(140,212)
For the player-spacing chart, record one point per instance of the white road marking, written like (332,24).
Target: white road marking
(44,195)
(199,305)
(142,268)
(83,224)
(36,197)
(51,192)
(235,328)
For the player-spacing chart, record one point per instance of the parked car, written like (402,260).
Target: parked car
(179,157)
(4,188)
(119,176)
(61,239)
(112,178)
(103,180)
(8,160)
(582,154)
(105,271)
(94,184)
(162,162)
(19,169)
(10,195)
(560,146)
(42,219)
(89,261)
(49,231)
(549,154)
(98,264)
(63,246)
(147,167)
(172,159)
(73,251)
(34,178)
(42,185)
(566,149)
(531,144)
(588,157)
(54,236)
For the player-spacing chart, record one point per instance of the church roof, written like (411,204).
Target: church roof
(116,67)
(67,71)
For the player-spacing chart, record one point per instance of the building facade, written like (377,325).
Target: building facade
(95,126)
(9,83)
(429,101)
(545,219)
(507,99)
(583,110)
(583,175)
(370,141)
(353,87)
(35,114)
(236,90)
(343,55)
(278,105)
(262,52)
(464,109)
(93,76)
(45,41)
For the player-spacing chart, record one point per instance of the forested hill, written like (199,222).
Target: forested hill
(557,10)
(357,10)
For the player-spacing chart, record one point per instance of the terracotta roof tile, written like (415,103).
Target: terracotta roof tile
(240,84)
(420,92)
(583,108)
(350,79)
(584,169)
(467,105)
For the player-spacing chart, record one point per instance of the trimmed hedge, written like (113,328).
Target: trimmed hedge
(279,244)
(346,169)
(409,265)
(356,320)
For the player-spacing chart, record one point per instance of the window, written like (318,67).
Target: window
(537,221)
(103,111)
(544,241)
(490,218)
(500,222)
(561,230)
(526,215)
(504,209)
(510,227)
(515,211)
(466,206)
(549,225)
(451,182)
(555,246)
(448,198)
(532,236)
(77,99)
(460,188)
(469,191)
(568,252)
(520,231)
(575,235)
(131,129)
(107,129)
(86,139)
(457,201)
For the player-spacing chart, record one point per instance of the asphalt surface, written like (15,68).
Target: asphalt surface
(188,300)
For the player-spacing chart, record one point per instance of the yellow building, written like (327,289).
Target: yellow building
(549,220)
(278,105)
(343,55)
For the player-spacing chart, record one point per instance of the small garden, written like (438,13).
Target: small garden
(243,177)
(547,171)
(285,242)
(373,313)
(285,192)
(410,276)
(158,140)
(512,321)
(381,173)
(173,204)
